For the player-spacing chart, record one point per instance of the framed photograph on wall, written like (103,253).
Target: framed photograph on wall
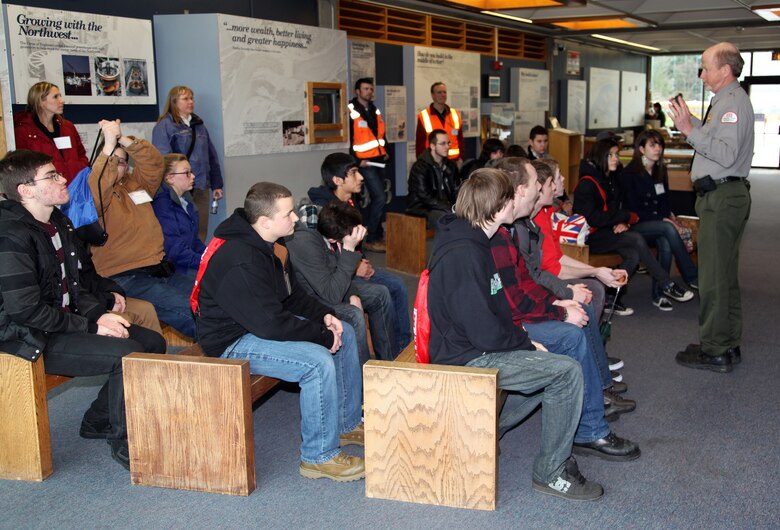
(494,86)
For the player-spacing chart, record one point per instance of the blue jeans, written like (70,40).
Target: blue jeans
(568,339)
(374,179)
(331,386)
(170,296)
(668,242)
(402,325)
(596,345)
(531,378)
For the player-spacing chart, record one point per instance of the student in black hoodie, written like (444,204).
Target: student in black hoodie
(471,324)
(251,307)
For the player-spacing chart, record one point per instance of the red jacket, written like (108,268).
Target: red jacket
(67,161)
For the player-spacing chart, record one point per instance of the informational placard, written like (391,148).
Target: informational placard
(525,120)
(362,60)
(89,132)
(502,119)
(396,128)
(264,68)
(573,63)
(575,105)
(530,89)
(633,87)
(460,72)
(603,105)
(94,59)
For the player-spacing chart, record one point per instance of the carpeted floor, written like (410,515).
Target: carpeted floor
(710,450)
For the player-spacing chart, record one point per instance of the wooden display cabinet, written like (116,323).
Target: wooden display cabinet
(326,106)
(566,147)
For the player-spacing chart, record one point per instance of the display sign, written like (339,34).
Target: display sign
(93,59)
(396,129)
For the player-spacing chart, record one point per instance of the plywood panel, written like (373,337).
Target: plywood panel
(406,237)
(431,434)
(25,443)
(189,423)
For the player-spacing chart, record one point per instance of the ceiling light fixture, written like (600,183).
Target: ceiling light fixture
(627,43)
(510,17)
(768,12)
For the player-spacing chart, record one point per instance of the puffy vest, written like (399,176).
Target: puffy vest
(451,125)
(364,143)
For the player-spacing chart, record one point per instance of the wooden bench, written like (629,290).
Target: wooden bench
(406,243)
(189,421)
(431,432)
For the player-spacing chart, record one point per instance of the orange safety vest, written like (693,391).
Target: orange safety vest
(451,125)
(364,143)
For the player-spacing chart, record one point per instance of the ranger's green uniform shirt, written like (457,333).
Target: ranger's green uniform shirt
(724,144)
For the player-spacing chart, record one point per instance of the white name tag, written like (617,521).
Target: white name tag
(63,142)
(659,189)
(140,197)
(363,124)
(454,132)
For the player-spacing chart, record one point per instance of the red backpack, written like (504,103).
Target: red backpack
(212,247)
(422,324)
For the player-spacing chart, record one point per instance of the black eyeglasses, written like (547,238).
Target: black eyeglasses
(188,172)
(49,176)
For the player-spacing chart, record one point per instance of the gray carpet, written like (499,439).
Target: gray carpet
(710,455)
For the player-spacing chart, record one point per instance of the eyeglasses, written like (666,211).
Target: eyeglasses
(49,176)
(188,172)
(444,143)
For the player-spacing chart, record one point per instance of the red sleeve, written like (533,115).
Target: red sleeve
(551,249)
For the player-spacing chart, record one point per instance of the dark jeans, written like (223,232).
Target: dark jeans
(402,325)
(379,306)
(632,247)
(374,179)
(87,354)
(667,240)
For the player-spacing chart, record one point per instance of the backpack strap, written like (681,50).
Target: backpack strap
(601,190)
(212,247)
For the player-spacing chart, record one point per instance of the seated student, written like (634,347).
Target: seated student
(516,151)
(433,180)
(325,261)
(175,210)
(251,307)
(134,256)
(538,141)
(562,326)
(597,197)
(471,324)
(492,151)
(341,180)
(45,308)
(646,193)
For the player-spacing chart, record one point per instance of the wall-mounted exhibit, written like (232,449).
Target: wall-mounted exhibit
(633,87)
(604,101)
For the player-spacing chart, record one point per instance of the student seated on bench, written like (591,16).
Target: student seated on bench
(471,324)
(341,180)
(433,180)
(325,261)
(45,310)
(251,307)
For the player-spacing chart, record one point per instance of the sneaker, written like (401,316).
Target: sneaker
(375,246)
(617,377)
(341,468)
(355,437)
(95,430)
(120,452)
(620,310)
(663,304)
(694,284)
(570,484)
(677,293)
(615,363)
(641,269)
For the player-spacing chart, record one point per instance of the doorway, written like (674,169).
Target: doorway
(763,92)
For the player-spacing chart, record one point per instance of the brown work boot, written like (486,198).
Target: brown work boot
(354,437)
(375,246)
(341,468)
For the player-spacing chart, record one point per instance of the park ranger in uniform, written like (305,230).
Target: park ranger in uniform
(723,141)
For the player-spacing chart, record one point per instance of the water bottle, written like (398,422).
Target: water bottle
(214,206)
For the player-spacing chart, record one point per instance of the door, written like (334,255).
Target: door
(763,93)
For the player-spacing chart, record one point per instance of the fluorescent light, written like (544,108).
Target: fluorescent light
(510,17)
(627,43)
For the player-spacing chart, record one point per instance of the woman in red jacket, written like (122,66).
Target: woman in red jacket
(42,128)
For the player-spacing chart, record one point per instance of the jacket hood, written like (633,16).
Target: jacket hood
(237,228)
(454,230)
(321,195)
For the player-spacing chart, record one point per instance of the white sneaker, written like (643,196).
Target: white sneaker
(663,304)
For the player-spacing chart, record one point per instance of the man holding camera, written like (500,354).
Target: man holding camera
(724,150)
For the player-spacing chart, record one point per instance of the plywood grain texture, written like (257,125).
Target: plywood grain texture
(189,423)
(405,243)
(431,434)
(25,442)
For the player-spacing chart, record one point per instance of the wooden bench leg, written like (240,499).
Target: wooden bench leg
(406,250)
(189,422)
(431,434)
(25,441)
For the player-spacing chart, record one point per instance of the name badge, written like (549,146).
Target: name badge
(140,197)
(659,189)
(63,142)
(363,124)
(454,132)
